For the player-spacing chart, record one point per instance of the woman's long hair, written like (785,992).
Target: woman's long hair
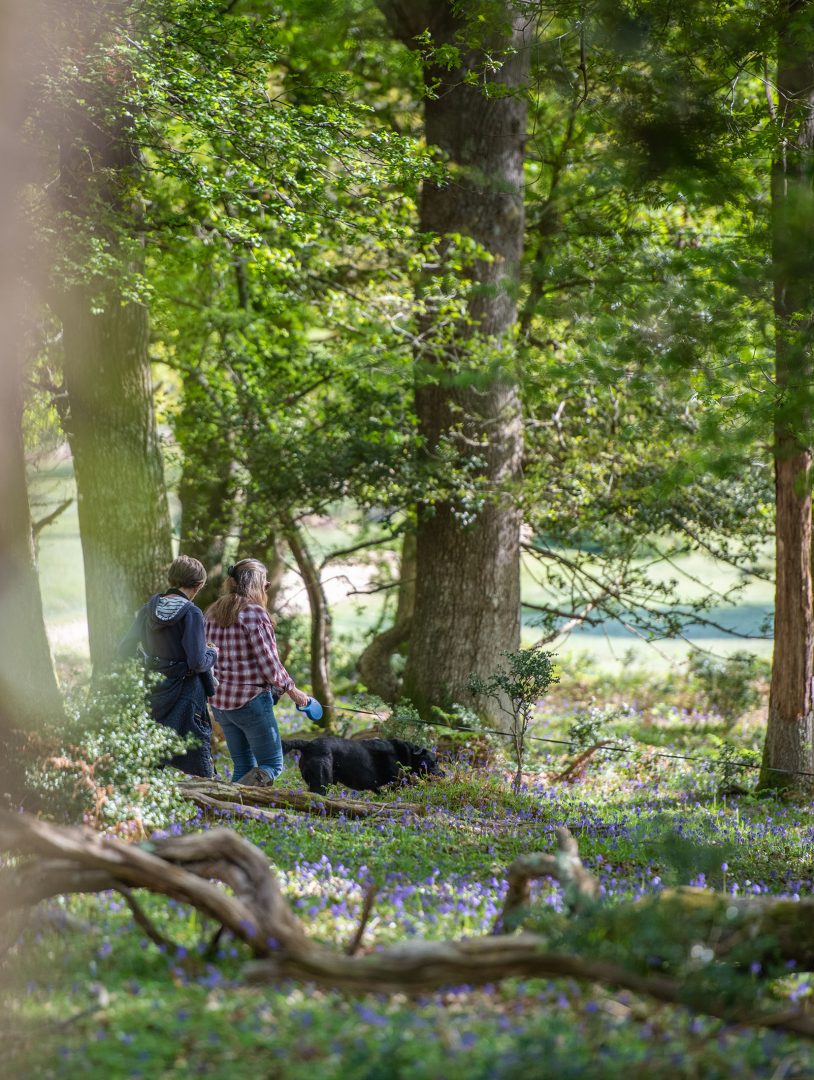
(244,585)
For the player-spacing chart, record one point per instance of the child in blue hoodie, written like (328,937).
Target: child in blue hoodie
(169,633)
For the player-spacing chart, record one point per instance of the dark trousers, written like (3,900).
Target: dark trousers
(179,703)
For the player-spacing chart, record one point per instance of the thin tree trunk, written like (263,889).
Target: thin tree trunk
(29,692)
(275,567)
(467,604)
(211,499)
(789,734)
(320,622)
(375,663)
(207,493)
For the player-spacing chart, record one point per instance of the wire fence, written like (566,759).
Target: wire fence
(605,747)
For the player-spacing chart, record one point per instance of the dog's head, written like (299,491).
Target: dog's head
(416,758)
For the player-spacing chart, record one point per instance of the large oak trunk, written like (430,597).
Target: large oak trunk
(467,599)
(122,502)
(788,738)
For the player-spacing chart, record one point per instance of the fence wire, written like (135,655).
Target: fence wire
(567,742)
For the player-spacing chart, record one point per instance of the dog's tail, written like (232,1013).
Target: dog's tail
(294,744)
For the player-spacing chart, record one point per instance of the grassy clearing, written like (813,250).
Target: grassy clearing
(642,823)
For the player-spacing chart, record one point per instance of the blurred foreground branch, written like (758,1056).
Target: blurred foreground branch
(70,859)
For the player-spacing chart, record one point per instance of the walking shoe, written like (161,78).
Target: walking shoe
(256,777)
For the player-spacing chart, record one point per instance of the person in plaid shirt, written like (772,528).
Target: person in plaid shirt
(251,677)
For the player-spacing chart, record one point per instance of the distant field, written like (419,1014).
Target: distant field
(611,646)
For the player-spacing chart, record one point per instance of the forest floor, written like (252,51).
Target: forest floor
(86,995)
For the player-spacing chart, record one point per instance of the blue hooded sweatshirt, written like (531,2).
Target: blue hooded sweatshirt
(169,630)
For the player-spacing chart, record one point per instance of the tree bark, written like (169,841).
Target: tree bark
(788,746)
(375,663)
(29,692)
(122,501)
(467,603)
(320,623)
(208,514)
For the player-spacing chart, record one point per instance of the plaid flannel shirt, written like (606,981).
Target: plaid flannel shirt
(247,660)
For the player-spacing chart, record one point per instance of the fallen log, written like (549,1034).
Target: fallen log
(77,859)
(220,795)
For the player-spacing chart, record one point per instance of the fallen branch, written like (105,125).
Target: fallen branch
(141,919)
(178,867)
(579,884)
(574,768)
(206,802)
(423,966)
(367,907)
(211,793)
(71,859)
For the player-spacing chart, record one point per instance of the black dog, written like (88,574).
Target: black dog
(361,764)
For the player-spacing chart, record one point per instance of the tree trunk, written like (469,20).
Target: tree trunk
(375,663)
(29,693)
(122,502)
(788,738)
(467,603)
(211,499)
(123,515)
(320,623)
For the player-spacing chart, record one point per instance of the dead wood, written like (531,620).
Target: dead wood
(574,769)
(203,792)
(178,867)
(206,802)
(355,943)
(142,920)
(579,884)
(57,859)
(423,966)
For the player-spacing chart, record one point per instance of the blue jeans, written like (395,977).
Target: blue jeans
(252,736)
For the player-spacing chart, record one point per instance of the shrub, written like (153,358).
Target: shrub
(103,765)
(516,689)
(588,727)
(728,684)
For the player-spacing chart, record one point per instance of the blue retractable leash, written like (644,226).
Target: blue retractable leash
(312,709)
